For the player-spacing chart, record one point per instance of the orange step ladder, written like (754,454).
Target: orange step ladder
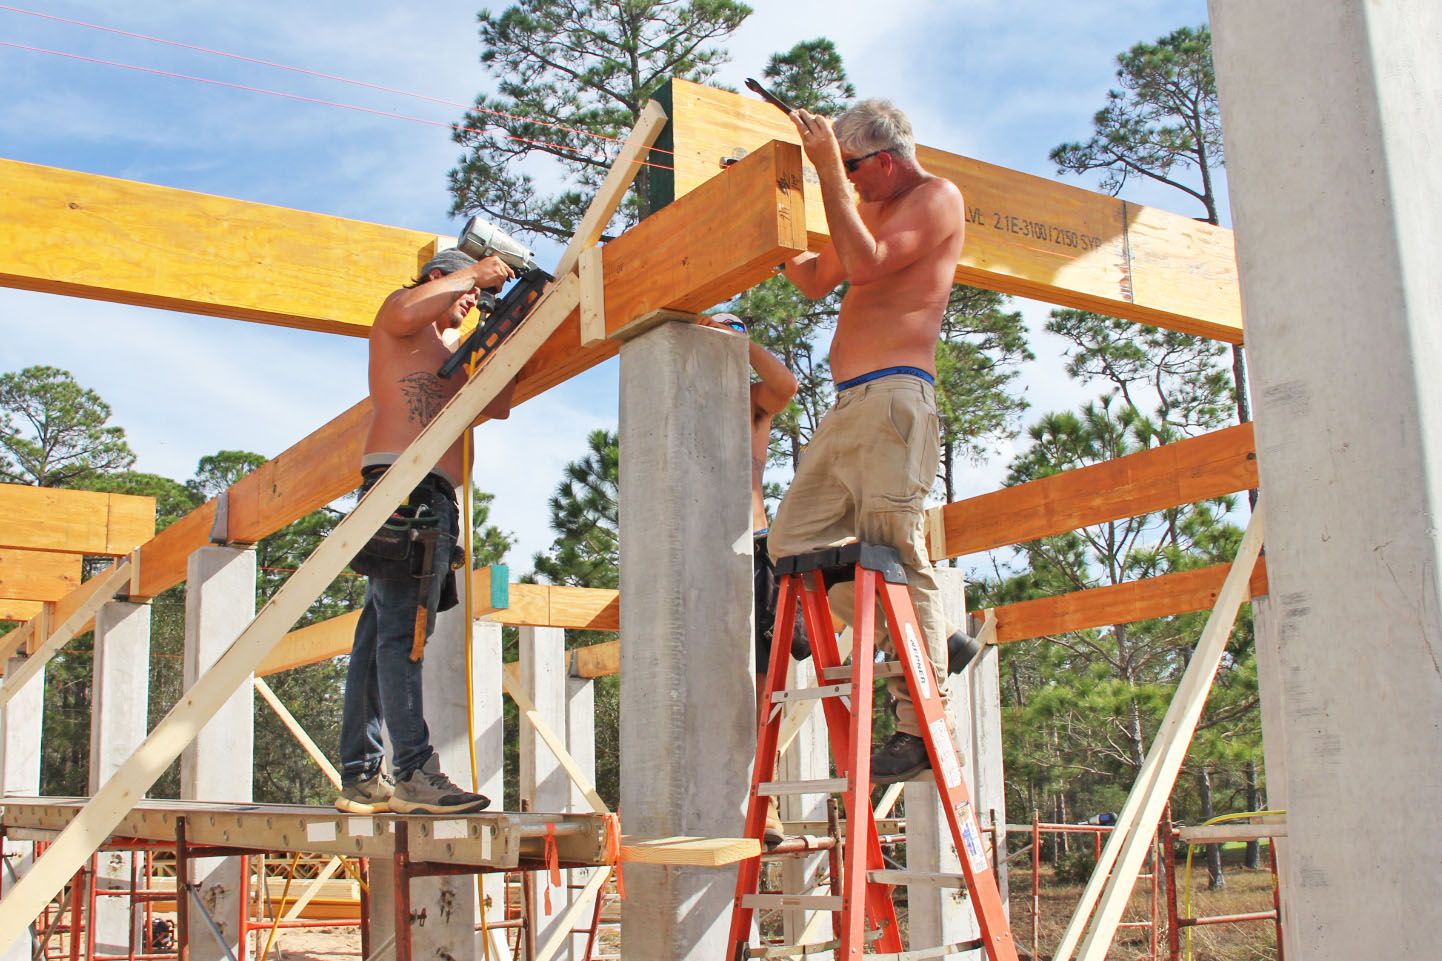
(864,915)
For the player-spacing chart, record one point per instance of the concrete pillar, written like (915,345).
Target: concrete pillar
(119,715)
(581,743)
(219,604)
(939,916)
(445,907)
(544,784)
(807,759)
(488,709)
(688,727)
(20,775)
(1332,165)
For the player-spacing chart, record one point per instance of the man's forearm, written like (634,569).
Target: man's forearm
(855,247)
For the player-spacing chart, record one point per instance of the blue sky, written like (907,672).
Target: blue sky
(1000,81)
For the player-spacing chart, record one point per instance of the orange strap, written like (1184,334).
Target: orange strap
(553,863)
(613,851)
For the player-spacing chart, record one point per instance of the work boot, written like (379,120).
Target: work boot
(369,795)
(427,791)
(902,758)
(775,832)
(961,647)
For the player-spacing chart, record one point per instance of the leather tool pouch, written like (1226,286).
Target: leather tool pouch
(396,549)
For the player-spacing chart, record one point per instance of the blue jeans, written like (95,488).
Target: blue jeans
(382,682)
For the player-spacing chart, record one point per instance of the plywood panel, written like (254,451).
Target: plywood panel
(1026,235)
(197,253)
(81,522)
(1183,472)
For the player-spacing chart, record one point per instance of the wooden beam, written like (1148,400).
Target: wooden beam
(1026,235)
(19,610)
(1184,472)
(1164,596)
(197,253)
(596,660)
(690,851)
(105,586)
(38,575)
(79,522)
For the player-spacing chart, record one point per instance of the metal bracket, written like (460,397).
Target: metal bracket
(220,529)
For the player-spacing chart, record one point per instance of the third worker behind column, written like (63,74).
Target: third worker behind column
(873,459)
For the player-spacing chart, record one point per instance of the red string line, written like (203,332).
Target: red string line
(304,100)
(315,73)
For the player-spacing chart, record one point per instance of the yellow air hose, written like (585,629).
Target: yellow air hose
(1191,849)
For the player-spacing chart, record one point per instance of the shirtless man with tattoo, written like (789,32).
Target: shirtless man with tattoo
(872,460)
(382,682)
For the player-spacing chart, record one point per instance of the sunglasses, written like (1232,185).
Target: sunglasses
(852,164)
(735,325)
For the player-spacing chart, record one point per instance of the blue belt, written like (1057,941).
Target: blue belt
(884,372)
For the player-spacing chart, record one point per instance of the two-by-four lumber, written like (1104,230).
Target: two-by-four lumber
(72,521)
(1183,472)
(1026,235)
(19,610)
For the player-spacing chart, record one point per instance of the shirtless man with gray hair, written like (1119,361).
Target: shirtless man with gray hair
(866,473)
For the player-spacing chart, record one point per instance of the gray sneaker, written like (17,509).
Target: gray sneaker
(370,795)
(427,791)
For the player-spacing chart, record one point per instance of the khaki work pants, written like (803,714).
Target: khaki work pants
(865,476)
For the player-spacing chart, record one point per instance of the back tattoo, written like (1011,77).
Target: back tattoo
(424,394)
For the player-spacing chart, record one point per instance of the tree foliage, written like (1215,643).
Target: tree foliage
(1163,124)
(584,512)
(574,77)
(55,433)
(810,76)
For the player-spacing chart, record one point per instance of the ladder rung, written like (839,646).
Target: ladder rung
(843,673)
(809,902)
(830,785)
(924,878)
(811,693)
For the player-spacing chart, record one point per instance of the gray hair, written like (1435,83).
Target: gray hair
(875,125)
(447,262)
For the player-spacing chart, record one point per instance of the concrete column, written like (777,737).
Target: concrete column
(807,759)
(581,743)
(20,775)
(938,916)
(688,727)
(1332,154)
(544,784)
(445,907)
(118,724)
(488,709)
(219,604)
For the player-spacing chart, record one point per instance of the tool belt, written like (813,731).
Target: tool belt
(405,544)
